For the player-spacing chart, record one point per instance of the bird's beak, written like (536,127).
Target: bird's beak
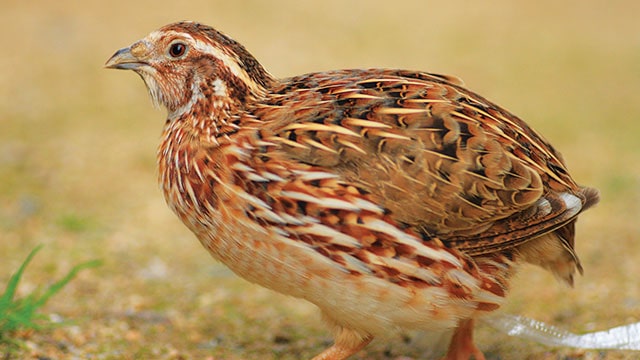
(122,59)
(129,58)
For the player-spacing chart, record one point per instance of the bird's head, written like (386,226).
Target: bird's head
(186,61)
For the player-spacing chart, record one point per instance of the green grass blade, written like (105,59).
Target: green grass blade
(12,285)
(23,313)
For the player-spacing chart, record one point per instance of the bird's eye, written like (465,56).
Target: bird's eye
(177,49)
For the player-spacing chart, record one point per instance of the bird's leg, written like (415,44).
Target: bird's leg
(343,348)
(347,342)
(461,346)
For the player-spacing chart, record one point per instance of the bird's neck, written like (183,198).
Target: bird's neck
(208,115)
(207,122)
(190,135)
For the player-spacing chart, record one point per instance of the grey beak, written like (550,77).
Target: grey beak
(123,59)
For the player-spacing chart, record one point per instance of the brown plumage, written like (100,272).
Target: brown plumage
(391,199)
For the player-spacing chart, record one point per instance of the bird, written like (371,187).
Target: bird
(391,199)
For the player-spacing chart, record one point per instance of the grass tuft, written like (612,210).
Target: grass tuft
(23,314)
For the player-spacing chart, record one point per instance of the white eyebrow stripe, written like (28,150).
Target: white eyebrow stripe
(156,35)
(229,61)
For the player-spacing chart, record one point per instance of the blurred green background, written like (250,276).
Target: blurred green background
(77,163)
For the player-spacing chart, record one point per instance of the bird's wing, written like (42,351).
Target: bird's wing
(439,158)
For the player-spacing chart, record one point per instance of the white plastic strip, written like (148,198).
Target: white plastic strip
(625,337)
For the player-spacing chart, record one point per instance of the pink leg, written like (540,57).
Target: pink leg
(461,346)
(347,342)
(341,351)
